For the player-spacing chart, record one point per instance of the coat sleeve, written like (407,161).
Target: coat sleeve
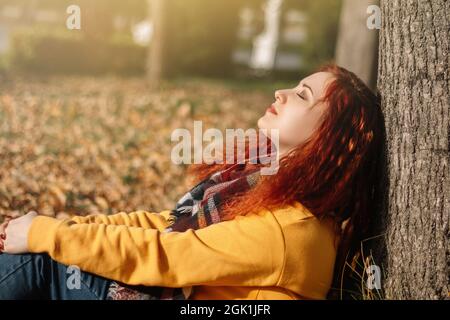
(141,219)
(246,251)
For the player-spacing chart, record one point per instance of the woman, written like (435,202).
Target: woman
(235,235)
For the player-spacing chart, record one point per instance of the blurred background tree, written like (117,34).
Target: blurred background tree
(41,43)
(202,37)
(355,33)
(196,36)
(321,25)
(204,34)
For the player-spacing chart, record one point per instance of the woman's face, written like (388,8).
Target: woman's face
(296,114)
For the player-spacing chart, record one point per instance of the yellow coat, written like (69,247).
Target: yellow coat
(280,254)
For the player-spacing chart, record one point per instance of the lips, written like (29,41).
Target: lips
(272,110)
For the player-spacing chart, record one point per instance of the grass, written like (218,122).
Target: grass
(361,274)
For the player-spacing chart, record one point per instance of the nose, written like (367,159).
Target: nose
(279,96)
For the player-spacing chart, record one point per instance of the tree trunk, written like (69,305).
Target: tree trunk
(156,61)
(265,45)
(414,83)
(357,45)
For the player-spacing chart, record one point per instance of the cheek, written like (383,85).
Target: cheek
(296,127)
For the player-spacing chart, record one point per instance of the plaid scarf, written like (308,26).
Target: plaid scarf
(198,208)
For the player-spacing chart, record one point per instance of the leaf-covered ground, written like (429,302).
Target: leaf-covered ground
(102,145)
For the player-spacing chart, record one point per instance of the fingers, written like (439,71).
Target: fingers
(5,244)
(3,230)
(3,235)
(2,239)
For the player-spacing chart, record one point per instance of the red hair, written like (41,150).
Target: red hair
(335,173)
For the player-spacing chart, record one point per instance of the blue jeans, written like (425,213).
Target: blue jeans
(37,276)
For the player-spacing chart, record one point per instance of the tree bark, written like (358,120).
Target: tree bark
(156,61)
(357,45)
(414,83)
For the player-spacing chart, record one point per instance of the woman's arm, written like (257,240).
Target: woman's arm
(142,219)
(247,251)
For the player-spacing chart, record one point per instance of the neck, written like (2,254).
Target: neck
(282,151)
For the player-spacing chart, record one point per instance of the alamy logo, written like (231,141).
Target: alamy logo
(74,280)
(374,277)
(73,21)
(235,144)
(374,20)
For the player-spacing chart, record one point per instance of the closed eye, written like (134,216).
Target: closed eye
(301,96)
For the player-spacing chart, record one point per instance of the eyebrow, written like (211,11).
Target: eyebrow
(305,85)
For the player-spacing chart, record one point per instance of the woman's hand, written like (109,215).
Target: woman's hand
(3,234)
(16,234)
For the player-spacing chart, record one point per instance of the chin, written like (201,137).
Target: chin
(262,123)
(259,123)
(266,122)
